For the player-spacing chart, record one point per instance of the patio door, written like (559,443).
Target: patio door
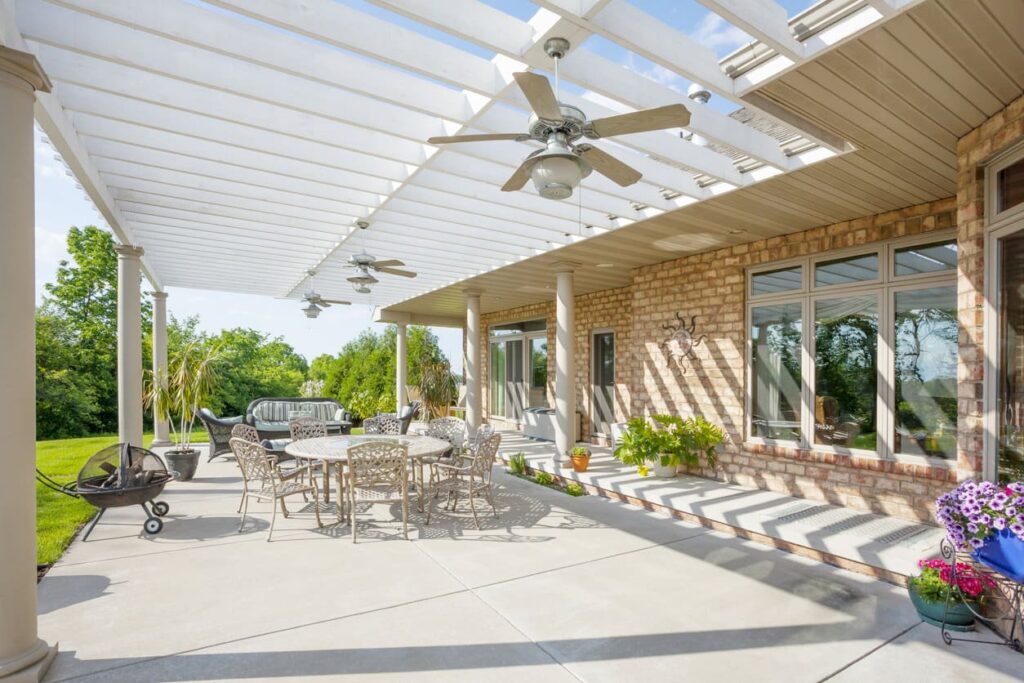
(603,382)
(1010,361)
(515,380)
(1005,321)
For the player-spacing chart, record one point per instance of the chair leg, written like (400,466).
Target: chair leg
(490,499)
(273,518)
(243,509)
(284,510)
(240,502)
(405,515)
(352,512)
(472,506)
(316,507)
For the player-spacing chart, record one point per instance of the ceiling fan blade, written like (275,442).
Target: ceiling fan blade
(322,303)
(335,301)
(482,137)
(395,271)
(539,94)
(518,179)
(609,166)
(669,116)
(388,263)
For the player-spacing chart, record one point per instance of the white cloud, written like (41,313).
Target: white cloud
(716,33)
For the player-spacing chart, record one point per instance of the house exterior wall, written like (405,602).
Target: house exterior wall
(712,286)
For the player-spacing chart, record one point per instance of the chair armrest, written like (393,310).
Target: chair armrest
(450,468)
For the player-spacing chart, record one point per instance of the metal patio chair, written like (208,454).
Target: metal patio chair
(262,479)
(465,475)
(378,473)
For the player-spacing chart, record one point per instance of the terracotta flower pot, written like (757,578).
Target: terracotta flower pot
(580,462)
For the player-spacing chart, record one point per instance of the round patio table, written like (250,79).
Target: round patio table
(333,451)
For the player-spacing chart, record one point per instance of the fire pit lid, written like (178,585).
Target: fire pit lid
(121,466)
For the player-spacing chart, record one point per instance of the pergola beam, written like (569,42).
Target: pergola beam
(765,20)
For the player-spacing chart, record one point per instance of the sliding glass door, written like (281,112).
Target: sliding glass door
(518,368)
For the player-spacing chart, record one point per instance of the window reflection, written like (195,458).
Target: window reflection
(845,381)
(926,350)
(775,332)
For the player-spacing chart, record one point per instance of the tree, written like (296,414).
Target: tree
(362,376)
(77,340)
(66,403)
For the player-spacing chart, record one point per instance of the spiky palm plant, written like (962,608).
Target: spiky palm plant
(176,394)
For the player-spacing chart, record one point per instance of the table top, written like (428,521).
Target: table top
(335,448)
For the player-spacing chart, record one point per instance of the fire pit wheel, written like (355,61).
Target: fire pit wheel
(160,509)
(153,525)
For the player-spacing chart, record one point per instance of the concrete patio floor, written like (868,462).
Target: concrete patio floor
(556,589)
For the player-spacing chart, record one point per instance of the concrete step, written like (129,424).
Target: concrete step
(884,547)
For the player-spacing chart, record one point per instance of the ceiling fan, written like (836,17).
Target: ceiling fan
(364,263)
(563,162)
(315,302)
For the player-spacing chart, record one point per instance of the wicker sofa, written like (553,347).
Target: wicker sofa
(270,416)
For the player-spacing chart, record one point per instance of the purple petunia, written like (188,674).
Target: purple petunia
(999,523)
(973,511)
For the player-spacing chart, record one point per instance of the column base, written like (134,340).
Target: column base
(29,667)
(163,443)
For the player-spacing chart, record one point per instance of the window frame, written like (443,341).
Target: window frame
(884,288)
(997,227)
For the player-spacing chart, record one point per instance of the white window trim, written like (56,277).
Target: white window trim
(885,287)
(997,227)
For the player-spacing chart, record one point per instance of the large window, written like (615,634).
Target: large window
(873,368)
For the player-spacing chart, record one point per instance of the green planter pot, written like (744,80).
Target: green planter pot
(959,617)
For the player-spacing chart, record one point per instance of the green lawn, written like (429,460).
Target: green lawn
(58,517)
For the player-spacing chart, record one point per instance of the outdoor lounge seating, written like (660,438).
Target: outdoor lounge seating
(271,416)
(219,430)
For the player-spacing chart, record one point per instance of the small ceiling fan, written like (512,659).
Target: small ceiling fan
(563,162)
(315,302)
(364,263)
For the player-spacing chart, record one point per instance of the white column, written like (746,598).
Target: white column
(23,656)
(473,393)
(565,364)
(401,365)
(129,345)
(161,430)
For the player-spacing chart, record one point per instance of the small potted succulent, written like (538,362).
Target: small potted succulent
(933,586)
(580,457)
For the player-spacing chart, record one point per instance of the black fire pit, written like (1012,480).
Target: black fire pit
(118,476)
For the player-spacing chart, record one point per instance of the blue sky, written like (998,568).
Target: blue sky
(59,204)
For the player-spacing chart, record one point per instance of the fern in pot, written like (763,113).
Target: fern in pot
(176,394)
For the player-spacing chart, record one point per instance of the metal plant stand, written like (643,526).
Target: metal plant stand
(1003,605)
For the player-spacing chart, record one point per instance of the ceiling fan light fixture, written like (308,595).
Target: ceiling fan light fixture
(557,170)
(311,311)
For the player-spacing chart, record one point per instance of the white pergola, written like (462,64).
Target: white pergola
(252,135)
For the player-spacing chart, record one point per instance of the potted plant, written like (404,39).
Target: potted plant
(640,445)
(933,585)
(176,395)
(438,389)
(685,442)
(580,457)
(987,520)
